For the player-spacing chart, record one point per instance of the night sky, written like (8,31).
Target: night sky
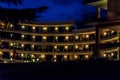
(59,10)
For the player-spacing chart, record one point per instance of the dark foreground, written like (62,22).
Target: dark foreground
(84,70)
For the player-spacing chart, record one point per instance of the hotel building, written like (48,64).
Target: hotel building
(59,41)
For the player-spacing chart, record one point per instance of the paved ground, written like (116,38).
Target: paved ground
(84,70)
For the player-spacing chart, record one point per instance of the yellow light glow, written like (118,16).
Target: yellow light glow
(56,28)
(33,37)
(22,45)
(32,56)
(76,47)
(112,32)
(66,47)
(45,28)
(56,37)
(22,55)
(44,37)
(105,33)
(0,53)
(23,36)
(104,55)
(75,56)
(112,54)
(11,44)
(11,54)
(76,37)
(23,27)
(33,46)
(42,56)
(66,37)
(33,27)
(65,56)
(86,46)
(55,56)
(33,60)
(55,47)
(86,56)
(11,25)
(67,28)
(87,36)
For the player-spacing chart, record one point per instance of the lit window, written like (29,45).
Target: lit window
(86,56)
(112,54)
(45,28)
(44,37)
(42,56)
(105,33)
(66,37)
(55,47)
(22,45)
(33,37)
(65,56)
(33,27)
(67,28)
(56,28)
(76,37)
(11,44)
(87,36)
(23,27)
(66,47)
(86,46)
(23,36)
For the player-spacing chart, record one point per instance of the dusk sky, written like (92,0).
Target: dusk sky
(59,10)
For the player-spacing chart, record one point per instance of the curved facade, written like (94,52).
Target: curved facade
(58,41)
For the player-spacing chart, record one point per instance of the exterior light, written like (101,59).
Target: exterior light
(11,59)
(75,56)
(105,33)
(23,27)
(112,32)
(55,47)
(87,36)
(32,56)
(33,27)
(56,28)
(112,54)
(65,56)
(42,56)
(27,61)
(11,44)
(33,37)
(55,56)
(66,37)
(86,46)
(76,37)
(56,37)
(67,28)
(66,47)
(5,61)
(104,55)
(76,47)
(33,46)
(45,28)
(37,59)
(22,55)
(33,60)
(11,25)
(22,45)
(44,37)
(55,60)
(86,56)
(0,53)
(23,36)
(11,54)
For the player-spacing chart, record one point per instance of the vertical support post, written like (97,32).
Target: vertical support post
(98,12)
